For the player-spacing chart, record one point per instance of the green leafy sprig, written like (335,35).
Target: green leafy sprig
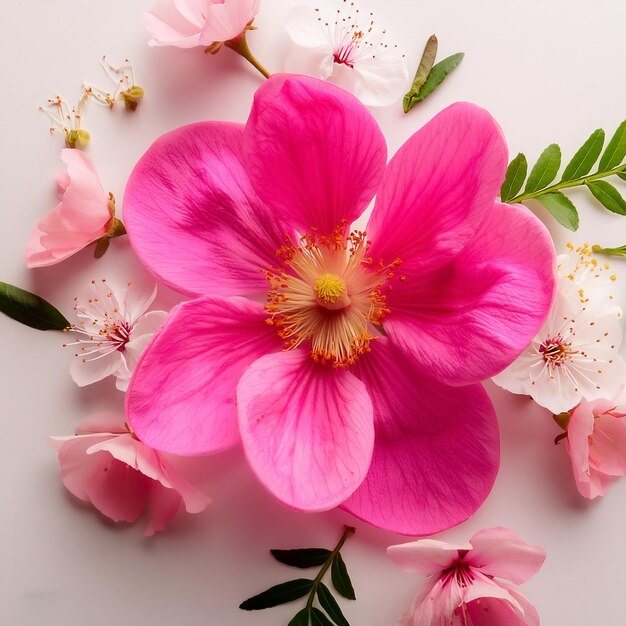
(429,75)
(620,251)
(298,588)
(29,309)
(540,185)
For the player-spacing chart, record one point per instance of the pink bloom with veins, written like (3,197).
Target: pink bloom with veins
(596,444)
(190,23)
(327,351)
(467,585)
(106,465)
(83,215)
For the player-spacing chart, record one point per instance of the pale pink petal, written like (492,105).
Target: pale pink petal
(426,556)
(86,370)
(135,297)
(164,504)
(472,317)
(381,79)
(439,187)
(437,607)
(607,450)
(503,553)
(227,20)
(193,217)
(169,475)
(314,153)
(437,451)
(114,488)
(306,429)
(488,604)
(103,422)
(306,30)
(590,484)
(195,362)
(169,27)
(142,334)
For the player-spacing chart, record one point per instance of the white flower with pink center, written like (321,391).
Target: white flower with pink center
(112,331)
(574,356)
(345,47)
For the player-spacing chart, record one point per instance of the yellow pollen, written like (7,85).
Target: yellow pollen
(330,288)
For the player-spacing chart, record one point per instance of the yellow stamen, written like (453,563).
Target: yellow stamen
(330,288)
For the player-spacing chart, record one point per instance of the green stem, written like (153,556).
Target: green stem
(348,532)
(240,46)
(577,182)
(621,251)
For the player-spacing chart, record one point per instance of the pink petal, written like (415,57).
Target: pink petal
(313,152)
(164,504)
(195,362)
(503,553)
(436,454)
(607,451)
(425,556)
(511,609)
(306,429)
(439,187)
(114,488)
(169,475)
(99,423)
(192,215)
(227,20)
(472,317)
(168,26)
(88,371)
(435,606)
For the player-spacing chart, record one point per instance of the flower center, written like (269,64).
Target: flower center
(329,293)
(556,351)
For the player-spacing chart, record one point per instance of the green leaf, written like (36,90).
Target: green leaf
(608,196)
(622,175)
(621,251)
(301,618)
(585,157)
(279,594)
(437,76)
(29,309)
(329,604)
(545,170)
(514,178)
(306,557)
(615,151)
(319,619)
(426,64)
(341,579)
(561,208)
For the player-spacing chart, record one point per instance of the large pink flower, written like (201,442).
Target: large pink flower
(330,356)
(464,586)
(106,465)
(83,215)
(190,23)
(596,444)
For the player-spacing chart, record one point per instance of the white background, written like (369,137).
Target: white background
(547,70)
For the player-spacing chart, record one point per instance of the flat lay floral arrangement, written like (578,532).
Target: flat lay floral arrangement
(340,306)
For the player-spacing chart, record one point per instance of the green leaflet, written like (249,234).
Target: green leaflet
(29,309)
(621,251)
(436,77)
(545,170)
(341,579)
(514,178)
(319,619)
(301,618)
(279,594)
(608,196)
(330,605)
(306,557)
(423,70)
(561,208)
(584,159)
(615,150)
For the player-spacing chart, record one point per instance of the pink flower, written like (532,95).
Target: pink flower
(112,330)
(83,215)
(106,465)
(338,385)
(463,586)
(190,23)
(596,444)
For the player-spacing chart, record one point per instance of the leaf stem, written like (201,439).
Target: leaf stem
(240,46)
(347,533)
(577,182)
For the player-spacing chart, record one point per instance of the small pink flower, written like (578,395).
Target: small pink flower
(112,330)
(106,465)
(463,587)
(82,216)
(596,444)
(190,23)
